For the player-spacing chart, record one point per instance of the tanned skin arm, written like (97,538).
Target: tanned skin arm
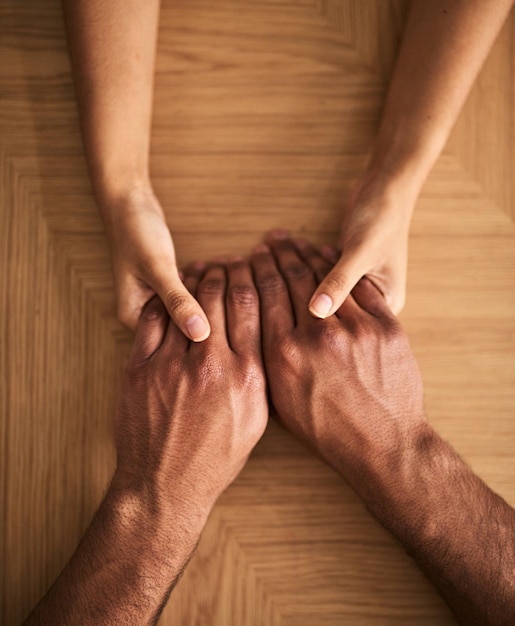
(350,388)
(188,417)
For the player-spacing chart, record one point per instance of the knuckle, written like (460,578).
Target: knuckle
(210,369)
(252,377)
(177,303)
(336,282)
(270,283)
(242,295)
(329,336)
(296,270)
(212,286)
(287,354)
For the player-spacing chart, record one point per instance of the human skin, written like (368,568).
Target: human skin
(349,387)
(112,47)
(444,45)
(188,417)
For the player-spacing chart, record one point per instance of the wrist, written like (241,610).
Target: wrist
(170,514)
(119,180)
(400,162)
(123,207)
(381,471)
(389,192)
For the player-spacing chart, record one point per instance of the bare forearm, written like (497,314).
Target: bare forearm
(459,532)
(125,567)
(444,45)
(112,46)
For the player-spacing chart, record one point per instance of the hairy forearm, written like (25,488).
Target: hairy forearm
(445,43)
(124,569)
(459,532)
(112,46)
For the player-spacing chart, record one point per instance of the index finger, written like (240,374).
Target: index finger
(242,309)
(276,309)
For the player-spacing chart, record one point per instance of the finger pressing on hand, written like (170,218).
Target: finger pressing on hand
(336,286)
(211,296)
(242,309)
(182,307)
(151,329)
(275,305)
(319,263)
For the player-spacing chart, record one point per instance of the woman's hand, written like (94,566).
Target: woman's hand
(144,265)
(373,243)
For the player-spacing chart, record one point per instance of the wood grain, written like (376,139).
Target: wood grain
(264,113)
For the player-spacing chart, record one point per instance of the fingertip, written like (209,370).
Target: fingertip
(197,328)
(260,249)
(321,305)
(277,234)
(198,266)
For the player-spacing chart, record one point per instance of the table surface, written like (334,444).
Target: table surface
(264,113)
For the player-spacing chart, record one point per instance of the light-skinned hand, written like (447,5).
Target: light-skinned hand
(144,264)
(373,243)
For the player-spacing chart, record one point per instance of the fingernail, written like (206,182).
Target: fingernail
(197,328)
(261,249)
(321,305)
(198,266)
(330,253)
(278,233)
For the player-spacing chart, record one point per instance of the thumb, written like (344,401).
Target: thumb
(336,286)
(182,307)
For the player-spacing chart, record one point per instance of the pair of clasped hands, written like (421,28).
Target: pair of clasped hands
(191,412)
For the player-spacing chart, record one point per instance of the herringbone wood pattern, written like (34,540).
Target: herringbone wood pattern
(264,112)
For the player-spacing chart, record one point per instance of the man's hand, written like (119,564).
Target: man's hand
(204,404)
(348,385)
(144,264)
(188,418)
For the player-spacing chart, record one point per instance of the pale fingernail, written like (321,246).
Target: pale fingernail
(278,233)
(237,258)
(198,266)
(197,328)
(321,305)
(261,249)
